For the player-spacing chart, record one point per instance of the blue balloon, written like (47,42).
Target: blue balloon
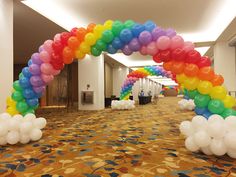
(137,29)
(149,25)
(26,72)
(207,114)
(117,43)
(126,35)
(111,49)
(30,62)
(32,102)
(186,97)
(24,82)
(29,93)
(200,111)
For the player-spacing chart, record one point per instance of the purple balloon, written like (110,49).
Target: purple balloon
(126,50)
(35,69)
(145,37)
(157,32)
(134,45)
(41,48)
(40,89)
(170,32)
(36,59)
(36,81)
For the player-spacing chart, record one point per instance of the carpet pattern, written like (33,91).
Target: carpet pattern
(144,142)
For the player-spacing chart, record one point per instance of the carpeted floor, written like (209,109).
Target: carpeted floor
(144,142)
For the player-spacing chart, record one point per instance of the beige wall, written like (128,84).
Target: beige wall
(108,80)
(6,51)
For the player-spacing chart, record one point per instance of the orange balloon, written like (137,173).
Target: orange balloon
(217,80)
(81,32)
(206,73)
(177,67)
(68,55)
(167,65)
(191,70)
(73,42)
(90,27)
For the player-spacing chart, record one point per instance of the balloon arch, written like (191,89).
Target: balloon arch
(192,70)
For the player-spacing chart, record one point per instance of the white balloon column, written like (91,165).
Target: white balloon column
(213,136)
(20,129)
(122,104)
(186,104)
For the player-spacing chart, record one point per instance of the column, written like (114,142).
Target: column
(6,51)
(224,64)
(91,72)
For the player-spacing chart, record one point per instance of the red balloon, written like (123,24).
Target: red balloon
(57,61)
(157,58)
(165,55)
(73,32)
(178,54)
(204,61)
(64,37)
(57,46)
(193,56)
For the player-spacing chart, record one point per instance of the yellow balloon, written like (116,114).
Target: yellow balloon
(218,92)
(79,55)
(108,24)
(11,102)
(98,30)
(180,78)
(204,87)
(90,39)
(229,101)
(12,111)
(84,48)
(191,83)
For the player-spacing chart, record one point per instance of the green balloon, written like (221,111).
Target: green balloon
(22,106)
(129,24)
(185,92)
(17,86)
(28,111)
(192,93)
(201,101)
(228,112)
(100,45)
(117,27)
(21,75)
(107,36)
(95,52)
(216,106)
(17,96)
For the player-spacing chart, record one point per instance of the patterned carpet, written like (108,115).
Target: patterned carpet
(143,142)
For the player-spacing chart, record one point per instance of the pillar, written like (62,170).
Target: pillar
(6,51)
(91,72)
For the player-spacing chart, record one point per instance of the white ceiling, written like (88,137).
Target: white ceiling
(196,20)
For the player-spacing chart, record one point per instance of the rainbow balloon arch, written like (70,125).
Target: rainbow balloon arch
(187,67)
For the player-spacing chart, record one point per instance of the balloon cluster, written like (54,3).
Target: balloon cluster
(20,129)
(138,74)
(186,104)
(213,136)
(122,104)
(168,87)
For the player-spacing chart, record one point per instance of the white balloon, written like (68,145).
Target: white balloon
(13,125)
(30,116)
(201,138)
(5,116)
(190,144)
(230,140)
(218,147)
(216,129)
(206,150)
(230,122)
(18,117)
(186,128)
(199,123)
(26,127)
(24,139)
(231,153)
(39,123)
(3,140)
(215,117)
(3,128)
(35,134)
(13,137)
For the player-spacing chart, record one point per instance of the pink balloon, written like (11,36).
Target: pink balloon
(163,42)
(143,50)
(57,37)
(188,46)
(45,56)
(55,72)
(47,78)
(48,46)
(152,49)
(46,68)
(176,42)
